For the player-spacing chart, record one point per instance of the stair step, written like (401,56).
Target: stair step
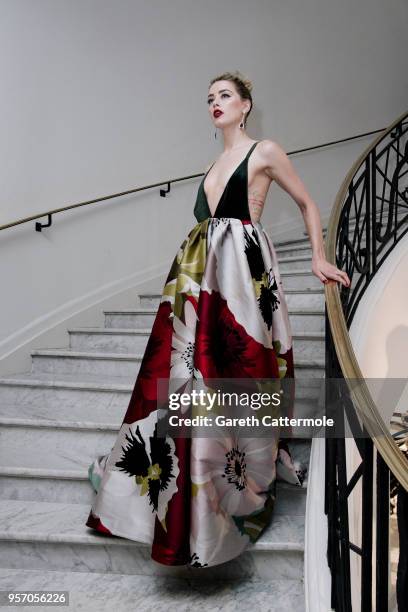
(307,320)
(102,592)
(324,232)
(87,382)
(293,281)
(138,318)
(104,414)
(131,340)
(309,345)
(72,445)
(55,535)
(296,298)
(292,242)
(46,394)
(300,279)
(96,339)
(60,361)
(294,262)
(31,444)
(57,418)
(74,362)
(73,486)
(300,249)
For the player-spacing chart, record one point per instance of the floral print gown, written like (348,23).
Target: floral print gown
(200,501)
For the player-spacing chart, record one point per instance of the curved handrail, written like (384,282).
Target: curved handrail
(164,182)
(362,399)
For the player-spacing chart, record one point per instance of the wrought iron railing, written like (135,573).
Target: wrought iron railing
(375,195)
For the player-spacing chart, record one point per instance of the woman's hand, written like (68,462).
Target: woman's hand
(326,271)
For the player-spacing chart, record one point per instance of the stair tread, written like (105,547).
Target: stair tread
(30,472)
(102,592)
(86,381)
(307,290)
(94,426)
(40,521)
(64,523)
(137,331)
(294,258)
(47,415)
(73,353)
(288,248)
(291,241)
(148,330)
(68,352)
(292,310)
(311,290)
(105,381)
(299,272)
(58,423)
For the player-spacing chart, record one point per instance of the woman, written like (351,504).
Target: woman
(223,315)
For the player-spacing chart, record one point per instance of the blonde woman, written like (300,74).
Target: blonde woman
(200,501)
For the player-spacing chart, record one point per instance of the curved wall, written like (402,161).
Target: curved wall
(379,335)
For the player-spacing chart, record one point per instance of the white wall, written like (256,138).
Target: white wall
(101,96)
(379,333)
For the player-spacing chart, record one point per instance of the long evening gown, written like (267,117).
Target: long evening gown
(222,314)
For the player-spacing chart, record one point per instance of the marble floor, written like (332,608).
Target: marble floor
(92,592)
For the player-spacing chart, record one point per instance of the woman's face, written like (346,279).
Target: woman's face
(224,104)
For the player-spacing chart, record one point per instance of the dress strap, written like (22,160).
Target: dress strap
(251,149)
(245,158)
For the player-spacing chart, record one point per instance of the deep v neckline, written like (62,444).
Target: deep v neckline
(228,182)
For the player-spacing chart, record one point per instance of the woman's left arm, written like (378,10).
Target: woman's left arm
(279,167)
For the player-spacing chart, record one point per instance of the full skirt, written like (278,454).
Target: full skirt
(200,501)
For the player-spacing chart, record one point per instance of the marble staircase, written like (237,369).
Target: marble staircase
(56,418)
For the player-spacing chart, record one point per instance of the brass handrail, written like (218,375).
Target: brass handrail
(168,182)
(363,401)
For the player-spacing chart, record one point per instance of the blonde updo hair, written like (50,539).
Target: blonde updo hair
(242,84)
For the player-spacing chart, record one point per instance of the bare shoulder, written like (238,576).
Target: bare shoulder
(270,149)
(271,155)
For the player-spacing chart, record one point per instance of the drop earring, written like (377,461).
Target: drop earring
(215,133)
(241,125)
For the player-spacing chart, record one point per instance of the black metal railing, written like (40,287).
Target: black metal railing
(375,197)
(378,201)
